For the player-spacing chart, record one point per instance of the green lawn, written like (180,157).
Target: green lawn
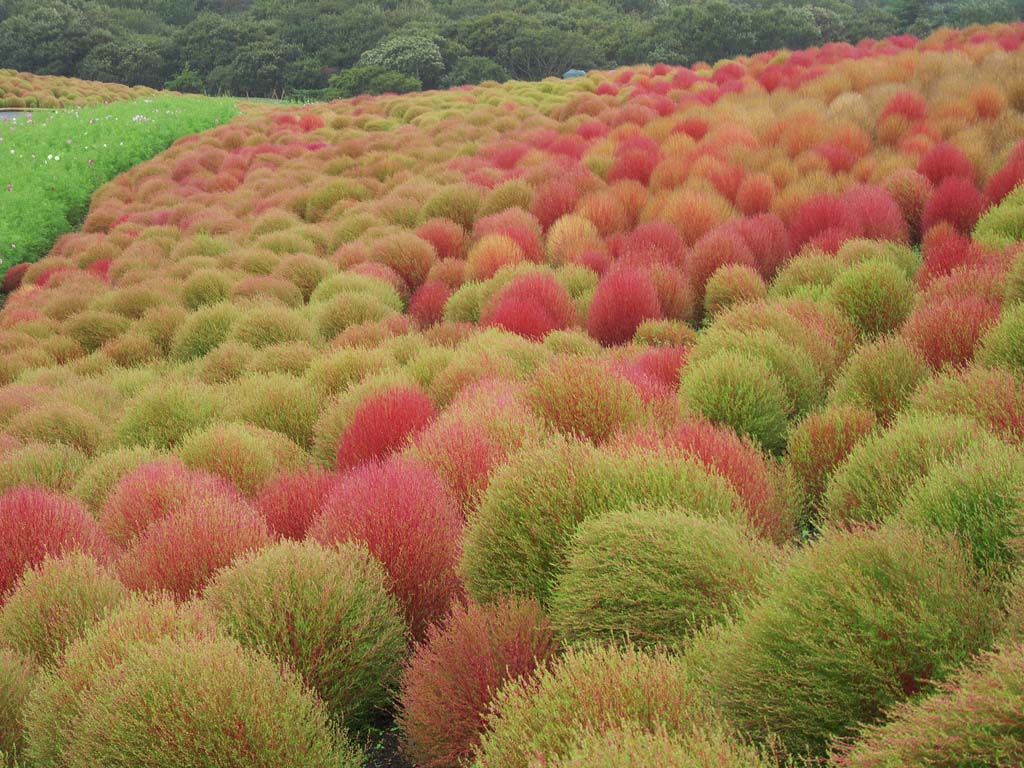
(52,162)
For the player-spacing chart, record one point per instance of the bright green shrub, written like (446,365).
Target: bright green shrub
(871,484)
(278,402)
(338,369)
(975,721)
(205,286)
(261,325)
(206,697)
(875,295)
(17,673)
(327,613)
(598,688)
(654,576)
(741,392)
(162,414)
(881,376)
(977,495)
(1003,345)
(292,357)
(857,623)
(54,603)
(245,456)
(226,362)
(627,746)
(203,330)
(94,328)
(334,315)
(60,422)
(732,284)
(809,274)
(517,541)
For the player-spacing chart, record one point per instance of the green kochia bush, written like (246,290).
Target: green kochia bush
(975,721)
(872,483)
(1003,345)
(881,376)
(654,576)
(600,688)
(739,391)
(875,295)
(327,613)
(205,697)
(977,495)
(17,674)
(517,541)
(631,747)
(857,623)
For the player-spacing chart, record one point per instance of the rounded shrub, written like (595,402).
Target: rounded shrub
(654,576)
(628,746)
(60,422)
(54,603)
(35,524)
(455,672)
(160,416)
(62,691)
(857,623)
(584,398)
(517,541)
(875,295)
(262,325)
(203,330)
(973,721)
(327,613)
(978,496)
(741,392)
(102,474)
(383,423)
(817,445)
(599,688)
(245,456)
(625,298)
(17,675)
(205,286)
(873,480)
(732,284)
(55,467)
(279,402)
(881,377)
(206,697)
(290,501)
(1003,345)
(992,396)
(409,521)
(181,552)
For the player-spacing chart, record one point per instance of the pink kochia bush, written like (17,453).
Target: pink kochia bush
(292,500)
(455,672)
(624,299)
(409,521)
(383,423)
(35,524)
(532,306)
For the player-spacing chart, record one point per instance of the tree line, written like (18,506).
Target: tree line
(339,48)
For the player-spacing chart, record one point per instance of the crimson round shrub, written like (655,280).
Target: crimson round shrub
(181,552)
(409,521)
(54,603)
(152,491)
(654,576)
(972,720)
(517,541)
(35,524)
(598,687)
(17,674)
(880,376)
(955,200)
(327,613)
(873,480)
(205,697)
(857,623)
(532,305)
(624,299)
(291,500)
(455,672)
(739,391)
(876,296)
(383,423)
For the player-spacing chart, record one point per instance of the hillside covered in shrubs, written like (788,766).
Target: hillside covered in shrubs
(660,417)
(304,49)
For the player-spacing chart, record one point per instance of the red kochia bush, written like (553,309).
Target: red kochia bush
(292,500)
(181,552)
(455,672)
(409,521)
(821,218)
(947,329)
(717,248)
(652,243)
(624,299)
(955,200)
(1003,181)
(945,249)
(943,161)
(532,306)
(427,303)
(383,423)
(37,523)
(151,492)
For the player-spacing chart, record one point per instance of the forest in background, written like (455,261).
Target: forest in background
(340,48)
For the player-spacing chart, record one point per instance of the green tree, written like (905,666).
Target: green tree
(371,80)
(471,70)
(413,55)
